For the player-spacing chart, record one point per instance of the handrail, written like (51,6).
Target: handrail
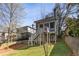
(35,35)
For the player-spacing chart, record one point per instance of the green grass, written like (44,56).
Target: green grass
(60,49)
(31,51)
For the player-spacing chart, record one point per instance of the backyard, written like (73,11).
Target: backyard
(61,49)
(58,49)
(30,51)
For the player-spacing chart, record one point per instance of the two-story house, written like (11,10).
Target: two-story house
(48,27)
(23,33)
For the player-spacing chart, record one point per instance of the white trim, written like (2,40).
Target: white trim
(48,23)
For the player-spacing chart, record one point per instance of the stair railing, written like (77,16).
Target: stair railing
(34,38)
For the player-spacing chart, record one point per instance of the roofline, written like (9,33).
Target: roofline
(42,19)
(27,26)
(31,27)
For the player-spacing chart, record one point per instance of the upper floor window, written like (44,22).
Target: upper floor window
(47,25)
(52,24)
(41,26)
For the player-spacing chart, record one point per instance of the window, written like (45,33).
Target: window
(47,25)
(52,24)
(41,25)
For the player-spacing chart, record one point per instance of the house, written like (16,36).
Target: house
(23,33)
(2,37)
(48,28)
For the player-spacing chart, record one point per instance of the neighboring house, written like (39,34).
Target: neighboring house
(2,37)
(23,33)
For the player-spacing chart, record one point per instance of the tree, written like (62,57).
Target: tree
(73,24)
(42,34)
(10,17)
(62,11)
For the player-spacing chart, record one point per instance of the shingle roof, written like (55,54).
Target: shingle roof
(45,19)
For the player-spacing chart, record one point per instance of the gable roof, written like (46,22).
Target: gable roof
(24,29)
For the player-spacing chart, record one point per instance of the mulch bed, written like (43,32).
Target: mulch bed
(11,49)
(16,46)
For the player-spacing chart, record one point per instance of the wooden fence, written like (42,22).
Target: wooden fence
(73,43)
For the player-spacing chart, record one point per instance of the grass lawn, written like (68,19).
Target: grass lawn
(31,51)
(60,49)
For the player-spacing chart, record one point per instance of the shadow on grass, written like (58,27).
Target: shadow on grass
(60,49)
(21,46)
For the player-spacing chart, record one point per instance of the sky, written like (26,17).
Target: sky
(33,12)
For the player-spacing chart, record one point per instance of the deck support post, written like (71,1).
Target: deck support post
(49,38)
(31,42)
(56,29)
(40,39)
(55,38)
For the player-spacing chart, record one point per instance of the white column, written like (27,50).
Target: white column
(31,41)
(40,39)
(49,32)
(55,31)
(49,38)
